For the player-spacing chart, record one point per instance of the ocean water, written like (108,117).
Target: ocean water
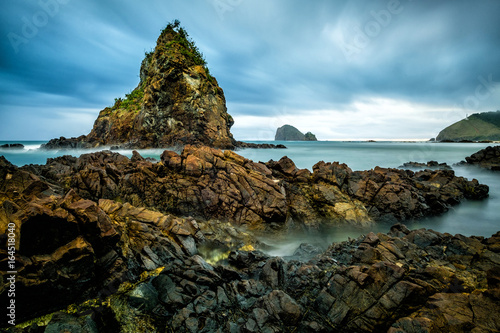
(480,218)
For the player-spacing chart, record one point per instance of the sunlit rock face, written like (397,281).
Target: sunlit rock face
(177,102)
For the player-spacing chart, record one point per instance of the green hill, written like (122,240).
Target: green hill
(476,127)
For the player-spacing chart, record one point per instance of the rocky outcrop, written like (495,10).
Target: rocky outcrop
(433,165)
(12,146)
(290,133)
(476,127)
(207,183)
(488,158)
(117,264)
(177,102)
(310,137)
(69,249)
(403,281)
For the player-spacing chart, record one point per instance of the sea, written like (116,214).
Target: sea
(479,218)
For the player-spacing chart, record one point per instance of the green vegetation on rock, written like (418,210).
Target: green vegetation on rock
(310,137)
(186,45)
(476,127)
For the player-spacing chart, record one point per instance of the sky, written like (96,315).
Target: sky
(344,70)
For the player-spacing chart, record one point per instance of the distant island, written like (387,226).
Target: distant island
(476,127)
(290,133)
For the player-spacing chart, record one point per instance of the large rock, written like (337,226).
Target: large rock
(379,282)
(488,158)
(290,133)
(211,184)
(177,102)
(69,248)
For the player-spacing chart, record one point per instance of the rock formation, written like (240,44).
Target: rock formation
(12,146)
(107,266)
(488,158)
(290,133)
(310,137)
(107,241)
(208,183)
(433,165)
(177,102)
(476,127)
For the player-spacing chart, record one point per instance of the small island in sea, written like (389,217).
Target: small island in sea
(107,243)
(290,133)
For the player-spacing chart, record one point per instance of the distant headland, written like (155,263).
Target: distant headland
(476,127)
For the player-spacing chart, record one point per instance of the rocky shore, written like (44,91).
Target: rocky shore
(107,243)
(111,244)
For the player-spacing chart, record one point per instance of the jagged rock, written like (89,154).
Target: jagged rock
(177,102)
(433,165)
(488,158)
(211,184)
(379,282)
(131,268)
(241,144)
(69,248)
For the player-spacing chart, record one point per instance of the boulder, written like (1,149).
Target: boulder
(488,158)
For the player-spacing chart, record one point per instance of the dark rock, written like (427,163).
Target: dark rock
(433,165)
(12,146)
(211,184)
(488,158)
(132,266)
(240,144)
(306,251)
(63,322)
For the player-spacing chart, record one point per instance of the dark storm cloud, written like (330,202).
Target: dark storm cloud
(268,56)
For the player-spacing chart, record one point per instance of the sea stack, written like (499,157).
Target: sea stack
(177,102)
(290,133)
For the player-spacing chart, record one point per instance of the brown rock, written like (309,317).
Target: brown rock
(177,102)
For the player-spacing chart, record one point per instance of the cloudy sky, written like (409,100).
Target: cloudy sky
(358,69)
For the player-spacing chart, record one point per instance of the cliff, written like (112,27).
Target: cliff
(290,133)
(476,127)
(177,102)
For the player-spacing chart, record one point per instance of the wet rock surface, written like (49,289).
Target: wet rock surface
(149,280)
(12,146)
(488,158)
(207,183)
(433,165)
(103,242)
